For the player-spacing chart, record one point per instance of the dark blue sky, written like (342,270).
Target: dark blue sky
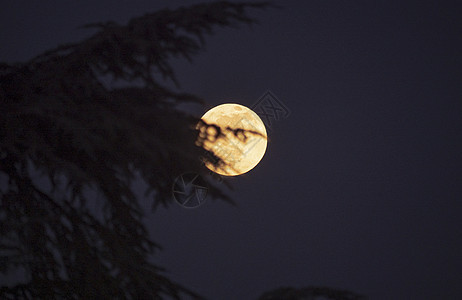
(360,187)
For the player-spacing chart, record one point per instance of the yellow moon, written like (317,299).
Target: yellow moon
(244,139)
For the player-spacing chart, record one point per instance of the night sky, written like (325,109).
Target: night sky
(361,185)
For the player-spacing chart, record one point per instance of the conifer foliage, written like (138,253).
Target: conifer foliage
(64,132)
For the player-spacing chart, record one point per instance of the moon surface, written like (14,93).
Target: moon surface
(243,140)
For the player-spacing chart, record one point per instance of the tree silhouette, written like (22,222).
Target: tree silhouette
(308,293)
(65,133)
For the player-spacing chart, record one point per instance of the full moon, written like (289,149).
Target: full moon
(242,142)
